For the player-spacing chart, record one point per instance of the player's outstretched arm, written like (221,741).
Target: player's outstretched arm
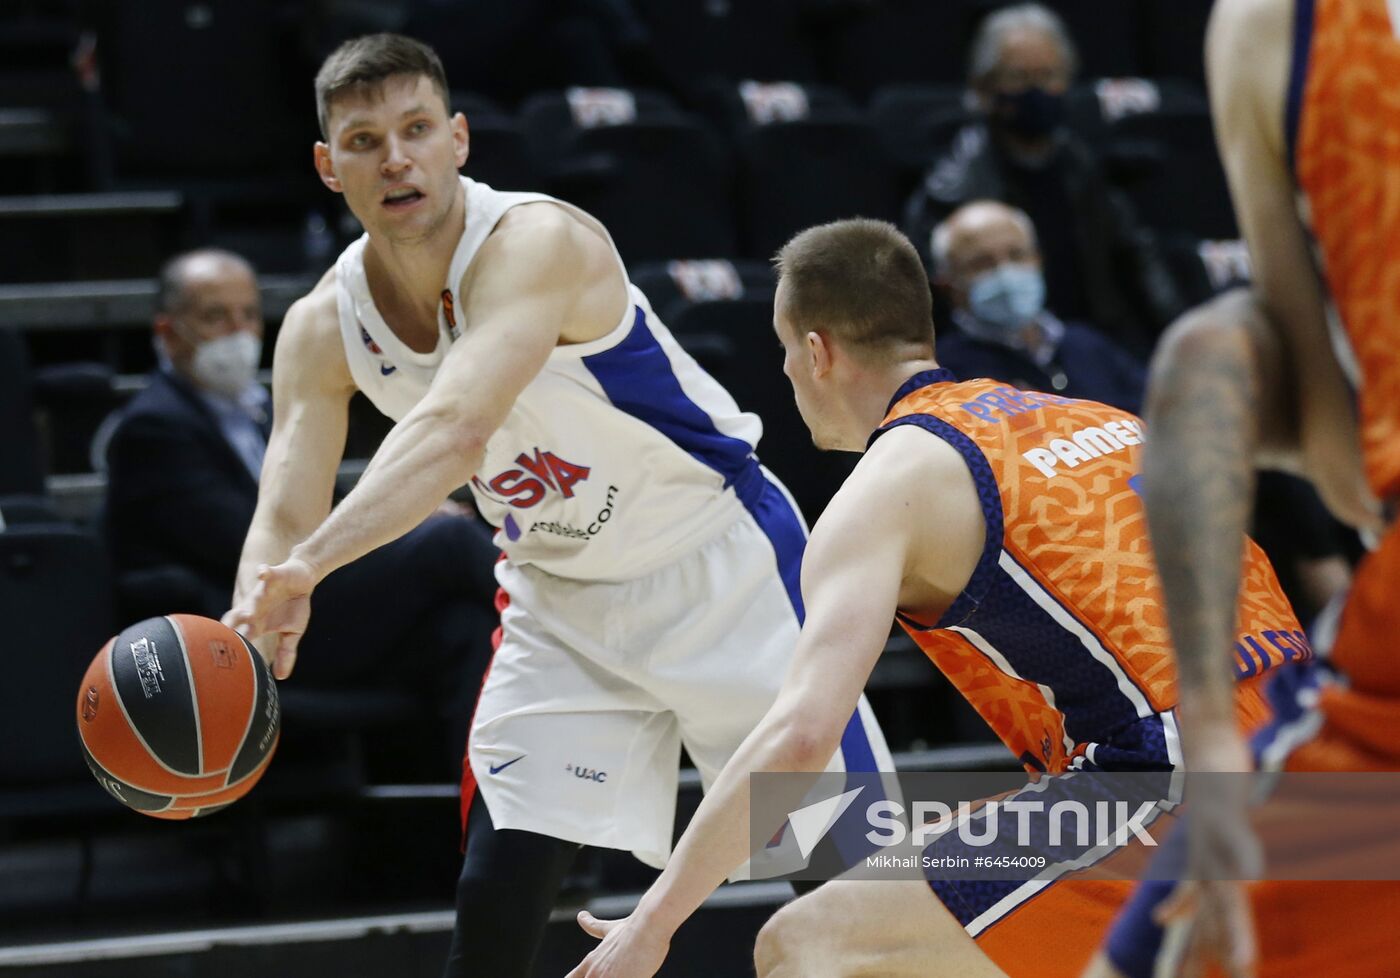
(898,498)
(527,287)
(311,390)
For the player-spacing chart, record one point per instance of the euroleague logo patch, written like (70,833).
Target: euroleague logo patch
(222,654)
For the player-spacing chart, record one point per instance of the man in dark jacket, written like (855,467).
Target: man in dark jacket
(988,263)
(1101,266)
(183,464)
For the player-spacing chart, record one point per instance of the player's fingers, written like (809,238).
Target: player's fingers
(1179,905)
(593,926)
(286,656)
(235,618)
(1241,956)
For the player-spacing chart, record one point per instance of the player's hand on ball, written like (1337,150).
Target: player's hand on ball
(629,949)
(280,606)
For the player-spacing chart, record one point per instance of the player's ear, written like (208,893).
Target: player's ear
(325,169)
(819,349)
(461,139)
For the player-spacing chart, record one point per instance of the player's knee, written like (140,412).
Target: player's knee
(789,935)
(777,940)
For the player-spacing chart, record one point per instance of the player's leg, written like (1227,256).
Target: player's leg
(504,897)
(855,928)
(562,752)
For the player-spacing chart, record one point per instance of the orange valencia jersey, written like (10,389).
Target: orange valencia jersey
(1342,123)
(1060,638)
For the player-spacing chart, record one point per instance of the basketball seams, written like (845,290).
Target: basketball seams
(182,795)
(194,694)
(252,708)
(135,730)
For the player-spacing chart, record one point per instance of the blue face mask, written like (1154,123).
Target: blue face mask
(1007,297)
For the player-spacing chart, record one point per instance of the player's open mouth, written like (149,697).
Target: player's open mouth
(401,198)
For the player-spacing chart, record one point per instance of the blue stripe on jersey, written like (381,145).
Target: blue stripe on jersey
(638,378)
(1297,78)
(1042,651)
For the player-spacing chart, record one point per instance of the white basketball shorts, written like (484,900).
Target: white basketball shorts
(596,686)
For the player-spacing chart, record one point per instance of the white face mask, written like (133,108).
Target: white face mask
(228,364)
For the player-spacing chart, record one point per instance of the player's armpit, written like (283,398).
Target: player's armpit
(905,530)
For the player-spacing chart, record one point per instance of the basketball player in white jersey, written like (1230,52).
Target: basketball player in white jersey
(651,565)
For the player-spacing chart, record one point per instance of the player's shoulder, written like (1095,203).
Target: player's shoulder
(309,339)
(909,470)
(1240,31)
(318,311)
(1234,15)
(543,232)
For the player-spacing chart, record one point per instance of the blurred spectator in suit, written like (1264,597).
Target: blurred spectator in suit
(183,466)
(987,261)
(1101,266)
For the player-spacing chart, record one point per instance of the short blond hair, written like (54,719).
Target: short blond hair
(860,281)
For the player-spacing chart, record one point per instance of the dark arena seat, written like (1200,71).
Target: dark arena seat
(1171,32)
(796,174)
(21,465)
(672,285)
(916,120)
(1168,163)
(754,375)
(553,121)
(55,601)
(660,187)
(705,41)
(890,42)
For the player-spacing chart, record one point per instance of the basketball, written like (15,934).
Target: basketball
(178,716)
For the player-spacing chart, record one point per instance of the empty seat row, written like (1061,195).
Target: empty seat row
(863,45)
(774,158)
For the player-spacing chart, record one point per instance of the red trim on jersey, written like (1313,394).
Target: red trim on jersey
(468,776)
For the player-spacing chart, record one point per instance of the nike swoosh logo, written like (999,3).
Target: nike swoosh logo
(498,769)
(386,370)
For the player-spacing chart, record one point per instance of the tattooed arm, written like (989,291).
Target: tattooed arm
(1218,371)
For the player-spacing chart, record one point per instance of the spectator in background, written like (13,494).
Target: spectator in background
(1101,266)
(987,261)
(989,268)
(183,466)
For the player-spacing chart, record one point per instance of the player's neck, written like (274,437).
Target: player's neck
(867,399)
(406,277)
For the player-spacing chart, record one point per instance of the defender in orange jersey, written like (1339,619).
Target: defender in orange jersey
(1005,530)
(1306,100)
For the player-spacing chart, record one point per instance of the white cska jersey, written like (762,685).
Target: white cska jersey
(619,457)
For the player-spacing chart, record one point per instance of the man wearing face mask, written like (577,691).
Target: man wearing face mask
(185,457)
(184,463)
(1101,266)
(986,258)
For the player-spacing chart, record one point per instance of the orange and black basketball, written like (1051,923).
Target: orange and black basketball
(178,716)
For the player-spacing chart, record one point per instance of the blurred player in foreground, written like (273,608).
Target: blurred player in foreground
(1004,530)
(1306,369)
(650,572)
